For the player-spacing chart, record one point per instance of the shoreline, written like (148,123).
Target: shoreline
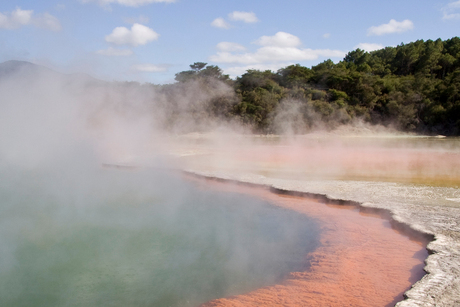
(345,268)
(441,285)
(415,179)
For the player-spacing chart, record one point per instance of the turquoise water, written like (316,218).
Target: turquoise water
(101,237)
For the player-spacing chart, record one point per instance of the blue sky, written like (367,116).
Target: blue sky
(151,40)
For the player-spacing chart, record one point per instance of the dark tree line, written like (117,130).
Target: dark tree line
(414,87)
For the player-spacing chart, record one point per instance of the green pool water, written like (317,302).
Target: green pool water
(104,237)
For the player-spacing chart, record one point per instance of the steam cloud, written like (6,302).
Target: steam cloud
(61,211)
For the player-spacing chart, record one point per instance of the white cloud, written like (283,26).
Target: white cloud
(19,18)
(248,17)
(326,35)
(115,52)
(280,39)
(138,35)
(132,3)
(275,49)
(15,19)
(228,46)
(220,23)
(369,47)
(451,10)
(151,68)
(392,27)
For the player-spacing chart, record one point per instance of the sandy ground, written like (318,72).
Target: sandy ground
(362,261)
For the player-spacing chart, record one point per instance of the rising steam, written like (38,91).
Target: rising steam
(73,230)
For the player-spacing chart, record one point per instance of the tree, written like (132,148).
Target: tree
(185,76)
(212,71)
(294,76)
(407,57)
(198,71)
(323,66)
(429,61)
(356,58)
(197,66)
(415,86)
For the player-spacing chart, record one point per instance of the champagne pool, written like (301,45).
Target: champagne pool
(105,237)
(414,178)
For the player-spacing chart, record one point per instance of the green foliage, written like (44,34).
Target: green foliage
(318,95)
(185,76)
(260,95)
(337,95)
(414,86)
(197,66)
(294,76)
(356,58)
(199,70)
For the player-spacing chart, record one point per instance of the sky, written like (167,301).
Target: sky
(152,40)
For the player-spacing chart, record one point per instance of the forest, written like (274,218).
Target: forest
(412,87)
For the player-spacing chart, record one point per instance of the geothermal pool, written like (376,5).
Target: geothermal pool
(364,259)
(415,179)
(107,237)
(78,234)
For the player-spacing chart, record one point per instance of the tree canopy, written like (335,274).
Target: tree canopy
(413,87)
(199,70)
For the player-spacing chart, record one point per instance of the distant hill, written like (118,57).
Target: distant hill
(13,67)
(29,71)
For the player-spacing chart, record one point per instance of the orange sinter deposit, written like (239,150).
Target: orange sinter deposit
(429,161)
(362,259)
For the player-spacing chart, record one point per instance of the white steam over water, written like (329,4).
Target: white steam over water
(105,237)
(73,232)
